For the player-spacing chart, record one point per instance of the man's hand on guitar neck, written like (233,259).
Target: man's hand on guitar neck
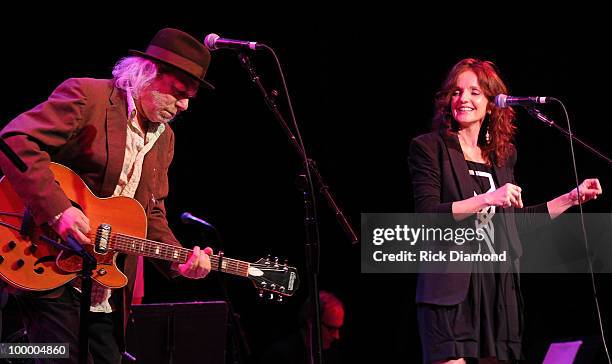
(198,264)
(72,222)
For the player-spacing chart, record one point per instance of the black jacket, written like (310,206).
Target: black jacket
(439,177)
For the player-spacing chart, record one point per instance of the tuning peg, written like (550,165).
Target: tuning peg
(275,261)
(279,299)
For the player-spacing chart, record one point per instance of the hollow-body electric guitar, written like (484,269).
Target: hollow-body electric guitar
(118,225)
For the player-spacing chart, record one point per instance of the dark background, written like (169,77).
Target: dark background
(361,92)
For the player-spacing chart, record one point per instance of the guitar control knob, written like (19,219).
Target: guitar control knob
(33,248)
(19,263)
(102,271)
(282,289)
(12,244)
(1,259)
(273,286)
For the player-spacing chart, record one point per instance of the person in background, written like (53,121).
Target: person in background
(293,348)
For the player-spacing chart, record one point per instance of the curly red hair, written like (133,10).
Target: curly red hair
(499,122)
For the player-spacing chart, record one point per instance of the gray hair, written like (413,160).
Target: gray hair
(134,73)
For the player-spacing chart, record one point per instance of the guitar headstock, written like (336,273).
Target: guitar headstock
(274,280)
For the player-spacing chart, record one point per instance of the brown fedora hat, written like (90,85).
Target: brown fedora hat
(179,49)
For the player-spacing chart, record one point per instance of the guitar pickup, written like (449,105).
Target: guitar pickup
(102,239)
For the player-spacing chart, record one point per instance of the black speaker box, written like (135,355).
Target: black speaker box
(178,333)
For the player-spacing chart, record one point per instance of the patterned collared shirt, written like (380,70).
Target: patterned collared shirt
(137,145)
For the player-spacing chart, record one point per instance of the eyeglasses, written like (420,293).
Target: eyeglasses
(331,327)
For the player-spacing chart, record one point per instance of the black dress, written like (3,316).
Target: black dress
(488,323)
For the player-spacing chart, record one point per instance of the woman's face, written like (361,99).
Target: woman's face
(468,102)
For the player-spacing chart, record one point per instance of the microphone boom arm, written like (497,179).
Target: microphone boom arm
(322,186)
(549,122)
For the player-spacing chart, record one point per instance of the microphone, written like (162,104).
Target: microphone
(214,42)
(503,101)
(188,218)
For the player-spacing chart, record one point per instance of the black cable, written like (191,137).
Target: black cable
(317,356)
(584,233)
(300,141)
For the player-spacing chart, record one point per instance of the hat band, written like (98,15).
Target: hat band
(176,60)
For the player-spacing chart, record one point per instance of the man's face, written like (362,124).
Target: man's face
(166,96)
(332,320)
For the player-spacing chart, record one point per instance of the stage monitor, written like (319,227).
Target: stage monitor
(178,333)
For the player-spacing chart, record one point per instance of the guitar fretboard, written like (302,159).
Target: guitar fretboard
(153,249)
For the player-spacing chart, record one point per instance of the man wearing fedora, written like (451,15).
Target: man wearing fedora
(115,135)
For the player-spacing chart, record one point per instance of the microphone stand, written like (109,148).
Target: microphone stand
(311,252)
(546,120)
(88,265)
(309,163)
(239,341)
(311,244)
(538,115)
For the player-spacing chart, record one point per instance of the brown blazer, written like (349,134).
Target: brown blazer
(83,125)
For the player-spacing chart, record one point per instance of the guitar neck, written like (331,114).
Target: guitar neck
(153,249)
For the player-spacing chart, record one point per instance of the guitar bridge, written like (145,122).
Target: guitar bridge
(102,239)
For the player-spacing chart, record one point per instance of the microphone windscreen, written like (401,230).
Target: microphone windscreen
(500,101)
(210,41)
(186,217)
